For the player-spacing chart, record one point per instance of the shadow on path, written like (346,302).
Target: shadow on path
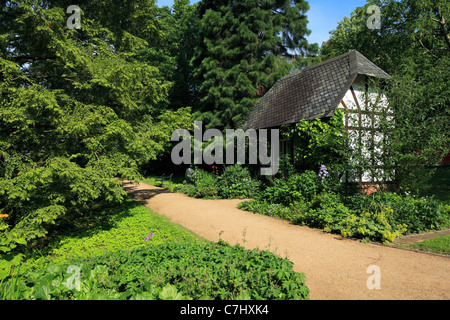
(141,195)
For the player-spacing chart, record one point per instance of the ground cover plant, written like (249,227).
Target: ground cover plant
(173,271)
(121,227)
(133,253)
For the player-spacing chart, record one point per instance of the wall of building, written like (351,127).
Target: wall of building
(362,107)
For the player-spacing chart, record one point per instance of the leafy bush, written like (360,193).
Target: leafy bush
(319,142)
(172,271)
(372,226)
(187,189)
(296,188)
(419,214)
(203,184)
(327,211)
(236,182)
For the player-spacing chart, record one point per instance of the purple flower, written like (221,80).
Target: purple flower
(148,237)
(323,172)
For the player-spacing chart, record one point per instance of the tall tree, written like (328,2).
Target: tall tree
(180,25)
(245,47)
(409,29)
(76,108)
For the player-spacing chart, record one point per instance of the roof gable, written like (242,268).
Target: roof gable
(312,92)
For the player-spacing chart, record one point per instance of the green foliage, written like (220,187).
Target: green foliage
(409,28)
(419,214)
(170,271)
(437,185)
(319,142)
(286,167)
(172,53)
(269,209)
(236,182)
(309,200)
(372,226)
(73,282)
(121,227)
(9,258)
(201,184)
(325,212)
(296,188)
(78,109)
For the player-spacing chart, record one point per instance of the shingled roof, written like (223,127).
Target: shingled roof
(312,92)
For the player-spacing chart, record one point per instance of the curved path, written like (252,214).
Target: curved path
(335,268)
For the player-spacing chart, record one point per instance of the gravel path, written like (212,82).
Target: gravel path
(335,268)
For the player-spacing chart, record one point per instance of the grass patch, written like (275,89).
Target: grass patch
(123,227)
(436,245)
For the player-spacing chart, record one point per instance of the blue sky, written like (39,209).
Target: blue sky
(323,15)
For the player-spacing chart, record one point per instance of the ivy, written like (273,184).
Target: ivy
(319,142)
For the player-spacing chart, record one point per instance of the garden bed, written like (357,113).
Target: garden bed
(135,254)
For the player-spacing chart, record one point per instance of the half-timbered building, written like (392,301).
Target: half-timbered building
(344,82)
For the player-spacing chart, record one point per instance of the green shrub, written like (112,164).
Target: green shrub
(419,214)
(331,214)
(236,183)
(374,226)
(204,184)
(188,189)
(286,167)
(325,212)
(296,188)
(172,271)
(445,212)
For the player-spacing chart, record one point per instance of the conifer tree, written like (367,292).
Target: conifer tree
(76,109)
(245,47)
